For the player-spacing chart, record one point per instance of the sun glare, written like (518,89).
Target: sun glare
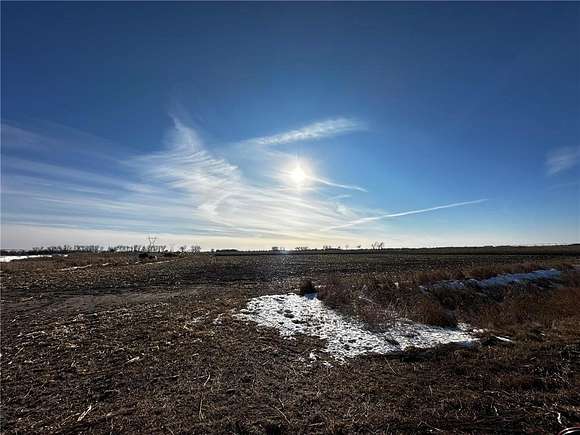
(298,176)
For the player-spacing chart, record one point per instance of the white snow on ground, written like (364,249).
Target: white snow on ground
(292,314)
(500,280)
(77,267)
(7,258)
(519,277)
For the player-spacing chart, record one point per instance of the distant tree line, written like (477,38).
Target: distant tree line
(65,249)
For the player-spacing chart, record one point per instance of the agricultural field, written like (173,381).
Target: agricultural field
(451,341)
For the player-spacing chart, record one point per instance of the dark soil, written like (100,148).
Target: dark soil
(154,348)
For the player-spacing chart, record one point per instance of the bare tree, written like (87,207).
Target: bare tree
(152,241)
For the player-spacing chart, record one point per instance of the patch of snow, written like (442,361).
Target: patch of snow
(218,319)
(519,277)
(189,324)
(7,258)
(498,281)
(158,262)
(292,314)
(77,267)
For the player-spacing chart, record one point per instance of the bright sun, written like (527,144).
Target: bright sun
(298,175)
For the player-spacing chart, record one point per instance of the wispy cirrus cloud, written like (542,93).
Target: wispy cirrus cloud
(187,190)
(263,149)
(317,130)
(223,196)
(184,188)
(562,159)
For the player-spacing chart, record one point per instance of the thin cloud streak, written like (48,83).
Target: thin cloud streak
(315,131)
(562,159)
(333,184)
(404,213)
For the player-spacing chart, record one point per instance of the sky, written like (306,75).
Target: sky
(252,125)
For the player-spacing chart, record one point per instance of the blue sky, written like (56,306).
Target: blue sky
(250,125)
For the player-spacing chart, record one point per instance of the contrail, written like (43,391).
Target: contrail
(403,213)
(333,184)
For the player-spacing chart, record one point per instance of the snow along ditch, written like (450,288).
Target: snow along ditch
(499,280)
(292,314)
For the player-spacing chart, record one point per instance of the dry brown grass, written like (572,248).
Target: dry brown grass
(431,312)
(377,299)
(536,308)
(428,277)
(306,287)
(571,278)
(378,304)
(236,378)
(481,272)
(339,294)
(484,272)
